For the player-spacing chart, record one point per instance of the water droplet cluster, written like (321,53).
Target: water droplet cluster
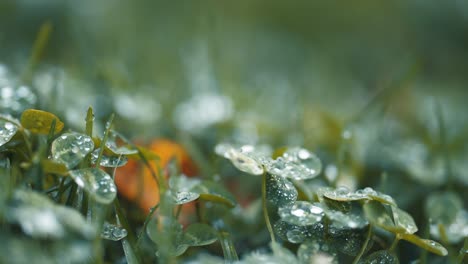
(7,130)
(113,232)
(97,183)
(71,148)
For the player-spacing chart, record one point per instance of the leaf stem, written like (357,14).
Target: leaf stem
(265,209)
(179,209)
(124,223)
(395,243)
(364,247)
(104,139)
(230,254)
(145,224)
(463,252)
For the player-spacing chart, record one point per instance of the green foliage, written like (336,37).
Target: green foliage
(336,224)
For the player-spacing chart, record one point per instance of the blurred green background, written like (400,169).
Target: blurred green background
(276,61)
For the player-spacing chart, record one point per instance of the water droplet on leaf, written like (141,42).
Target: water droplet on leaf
(39,217)
(404,220)
(381,257)
(119,145)
(7,131)
(113,232)
(297,164)
(426,244)
(280,191)
(245,158)
(182,197)
(183,183)
(343,194)
(108,161)
(97,183)
(301,213)
(316,252)
(71,148)
(340,220)
(455,231)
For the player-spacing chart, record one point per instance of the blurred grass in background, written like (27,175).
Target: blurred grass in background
(277,63)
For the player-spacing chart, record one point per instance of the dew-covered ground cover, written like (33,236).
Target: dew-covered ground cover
(246,132)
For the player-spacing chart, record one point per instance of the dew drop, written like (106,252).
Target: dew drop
(97,183)
(246,158)
(297,164)
(280,191)
(113,232)
(301,213)
(295,236)
(71,148)
(316,252)
(183,197)
(108,161)
(119,145)
(7,131)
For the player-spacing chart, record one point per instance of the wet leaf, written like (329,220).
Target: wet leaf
(108,161)
(7,130)
(113,232)
(349,242)
(183,183)
(301,213)
(5,181)
(183,197)
(377,196)
(297,164)
(146,153)
(404,220)
(377,214)
(71,148)
(298,234)
(316,252)
(18,248)
(119,145)
(130,255)
(168,235)
(39,122)
(244,158)
(350,220)
(443,207)
(97,183)
(455,231)
(39,217)
(381,257)
(394,220)
(49,166)
(426,244)
(343,194)
(280,191)
(199,235)
(212,191)
(337,205)
(279,255)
